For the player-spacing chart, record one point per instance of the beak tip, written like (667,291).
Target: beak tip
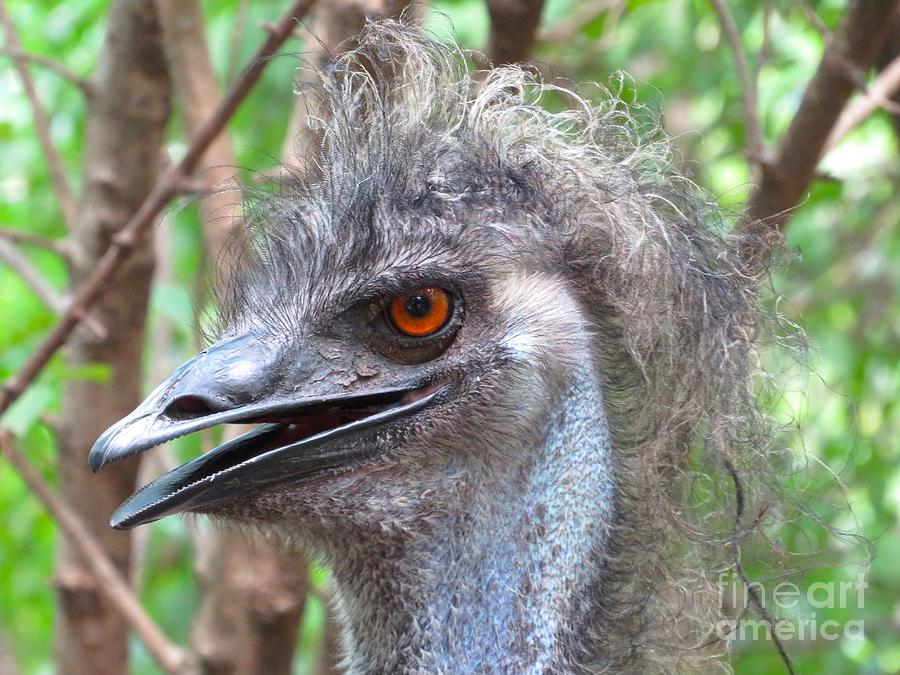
(95,462)
(115,522)
(99,454)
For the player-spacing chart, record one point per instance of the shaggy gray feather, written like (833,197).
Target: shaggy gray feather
(570,509)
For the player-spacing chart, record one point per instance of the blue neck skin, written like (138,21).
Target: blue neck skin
(503,587)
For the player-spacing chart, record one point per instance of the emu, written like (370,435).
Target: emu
(500,362)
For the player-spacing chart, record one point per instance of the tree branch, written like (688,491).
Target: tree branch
(52,65)
(137,227)
(852,50)
(237,34)
(29,274)
(877,95)
(815,20)
(22,266)
(41,121)
(766,47)
(747,79)
(112,584)
(20,237)
(568,28)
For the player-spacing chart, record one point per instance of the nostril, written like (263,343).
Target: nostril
(189,407)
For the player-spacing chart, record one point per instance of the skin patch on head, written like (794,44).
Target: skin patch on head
(544,323)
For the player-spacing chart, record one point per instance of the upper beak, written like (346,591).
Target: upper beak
(250,379)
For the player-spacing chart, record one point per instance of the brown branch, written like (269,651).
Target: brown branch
(29,274)
(28,239)
(877,95)
(815,20)
(137,227)
(237,34)
(514,25)
(747,79)
(111,583)
(852,50)
(41,121)
(52,65)
(765,48)
(271,27)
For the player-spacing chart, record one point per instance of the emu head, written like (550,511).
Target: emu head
(474,329)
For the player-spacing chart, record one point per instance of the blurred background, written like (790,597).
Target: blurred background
(840,281)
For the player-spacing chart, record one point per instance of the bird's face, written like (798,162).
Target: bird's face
(380,366)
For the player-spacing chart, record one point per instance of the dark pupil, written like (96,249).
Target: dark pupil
(419,305)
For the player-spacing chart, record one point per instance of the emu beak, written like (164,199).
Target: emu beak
(251,380)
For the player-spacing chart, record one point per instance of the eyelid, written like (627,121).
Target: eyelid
(398,280)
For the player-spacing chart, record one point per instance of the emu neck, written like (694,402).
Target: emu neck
(500,583)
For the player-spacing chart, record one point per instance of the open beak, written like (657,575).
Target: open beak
(249,380)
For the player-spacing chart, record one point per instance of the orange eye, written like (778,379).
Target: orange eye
(422,313)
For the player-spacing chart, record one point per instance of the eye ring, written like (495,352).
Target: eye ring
(421,313)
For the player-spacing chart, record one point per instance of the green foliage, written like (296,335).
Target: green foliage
(843,287)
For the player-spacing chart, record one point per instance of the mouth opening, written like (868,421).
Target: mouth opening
(274,431)
(288,441)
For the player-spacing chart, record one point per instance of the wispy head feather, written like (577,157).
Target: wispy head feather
(409,137)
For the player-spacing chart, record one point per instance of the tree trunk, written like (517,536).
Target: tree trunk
(253,598)
(514,25)
(125,126)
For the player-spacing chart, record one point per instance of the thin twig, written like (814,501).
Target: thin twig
(53,66)
(738,534)
(765,48)
(22,266)
(237,34)
(110,581)
(749,96)
(607,39)
(816,21)
(28,239)
(41,121)
(583,14)
(166,188)
(271,27)
(876,96)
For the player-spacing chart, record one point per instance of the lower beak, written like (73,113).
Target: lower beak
(297,436)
